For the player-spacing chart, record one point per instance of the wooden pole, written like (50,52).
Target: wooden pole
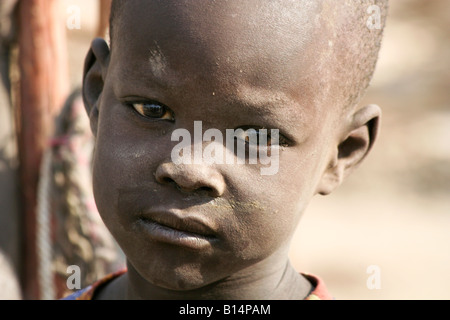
(44,86)
(104,12)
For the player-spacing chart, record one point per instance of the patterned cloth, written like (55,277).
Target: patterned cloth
(89,292)
(320,292)
(79,236)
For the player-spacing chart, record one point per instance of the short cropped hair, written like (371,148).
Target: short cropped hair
(358,31)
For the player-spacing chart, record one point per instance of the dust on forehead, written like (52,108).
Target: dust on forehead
(341,34)
(231,36)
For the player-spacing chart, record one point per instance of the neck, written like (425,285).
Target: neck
(280,282)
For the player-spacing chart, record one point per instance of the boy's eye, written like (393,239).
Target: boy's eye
(154,110)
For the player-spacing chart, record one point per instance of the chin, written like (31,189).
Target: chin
(180,278)
(181,283)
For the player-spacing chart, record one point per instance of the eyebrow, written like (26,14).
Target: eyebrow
(150,74)
(263,103)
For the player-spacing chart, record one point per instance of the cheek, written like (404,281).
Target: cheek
(266,211)
(268,208)
(122,160)
(110,172)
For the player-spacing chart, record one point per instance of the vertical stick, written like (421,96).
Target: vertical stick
(105,9)
(43,88)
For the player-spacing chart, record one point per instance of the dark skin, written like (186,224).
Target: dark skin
(214,62)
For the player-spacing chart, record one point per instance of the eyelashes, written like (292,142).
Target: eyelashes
(260,137)
(153,110)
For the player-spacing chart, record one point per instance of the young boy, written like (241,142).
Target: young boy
(289,72)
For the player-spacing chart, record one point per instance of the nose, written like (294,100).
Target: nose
(191,178)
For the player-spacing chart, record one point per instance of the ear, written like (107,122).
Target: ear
(357,141)
(94,74)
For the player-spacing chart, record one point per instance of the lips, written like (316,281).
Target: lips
(182,230)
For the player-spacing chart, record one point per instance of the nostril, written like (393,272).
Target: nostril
(205,189)
(167,180)
(200,191)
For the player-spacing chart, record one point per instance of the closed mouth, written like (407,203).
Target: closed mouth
(171,228)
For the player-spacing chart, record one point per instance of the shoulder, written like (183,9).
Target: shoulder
(83,294)
(90,291)
(320,291)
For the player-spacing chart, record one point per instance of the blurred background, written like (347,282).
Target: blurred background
(394,211)
(385,234)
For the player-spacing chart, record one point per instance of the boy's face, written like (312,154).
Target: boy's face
(231,65)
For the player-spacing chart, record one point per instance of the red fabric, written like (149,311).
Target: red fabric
(320,291)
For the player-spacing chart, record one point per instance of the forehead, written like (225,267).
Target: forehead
(234,44)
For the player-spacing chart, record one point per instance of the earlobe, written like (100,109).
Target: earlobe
(94,73)
(353,148)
